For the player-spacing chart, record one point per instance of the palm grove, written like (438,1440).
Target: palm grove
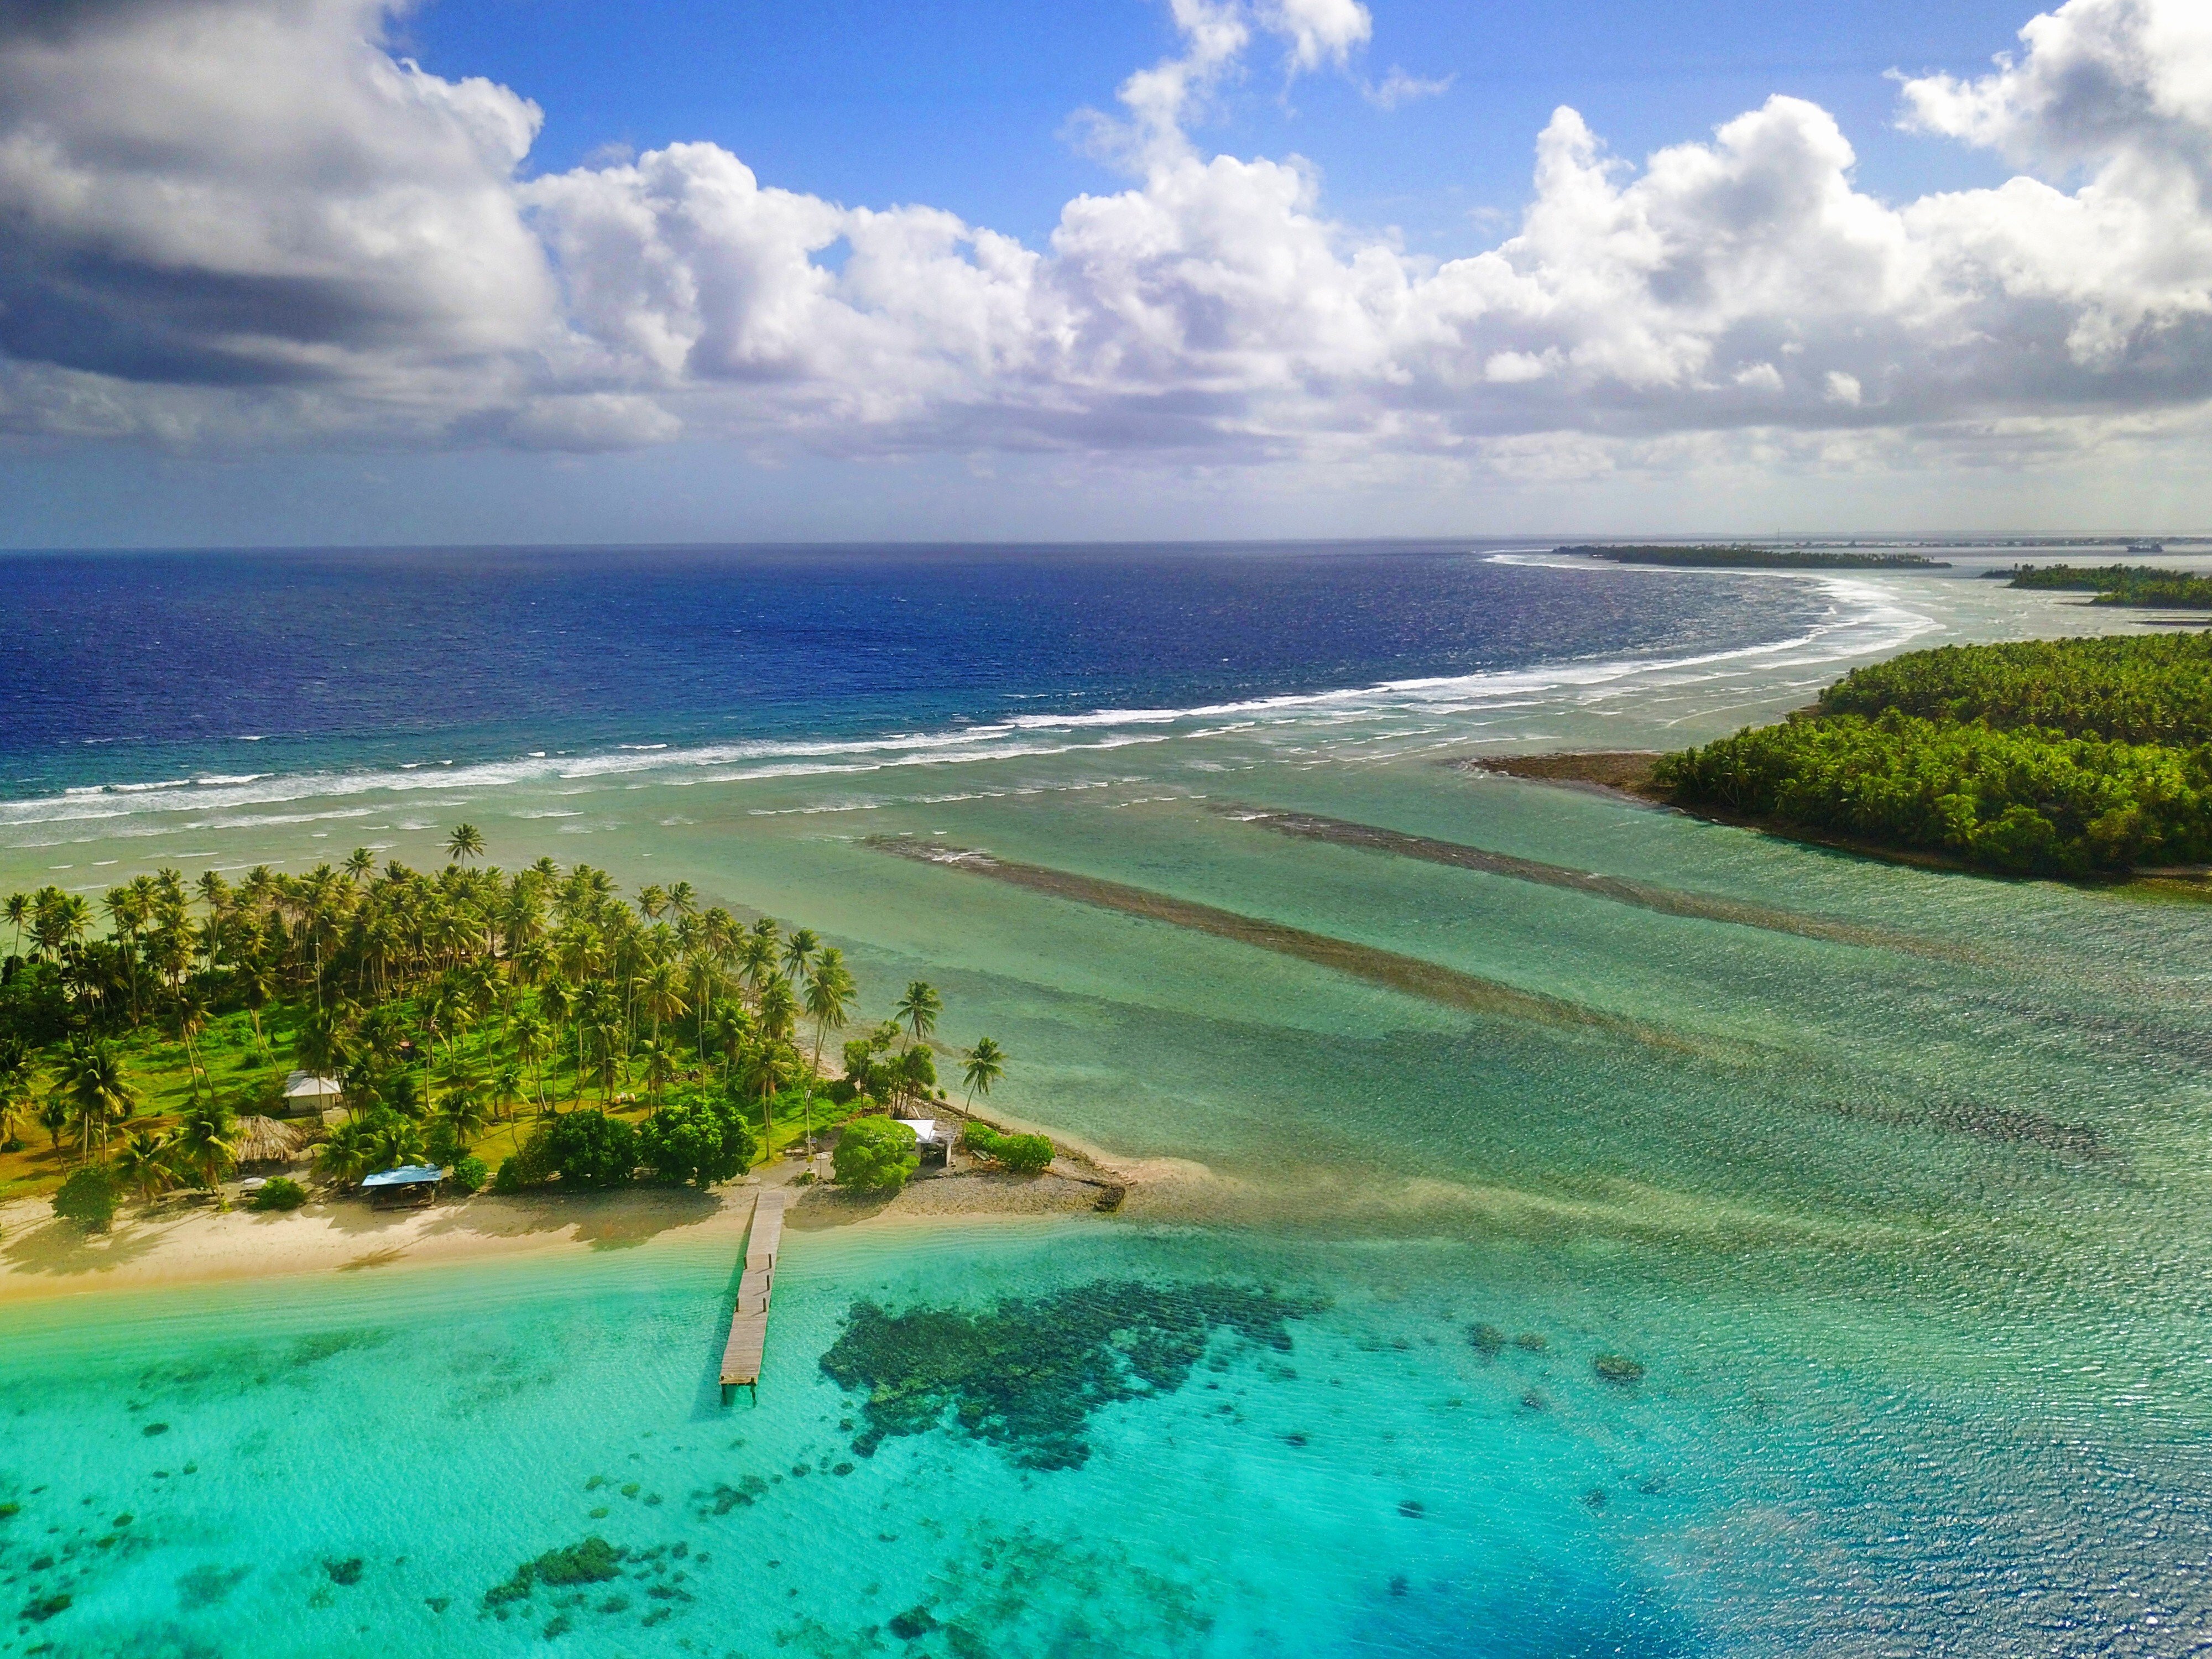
(445,1004)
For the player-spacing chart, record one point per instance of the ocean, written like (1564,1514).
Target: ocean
(1887,1182)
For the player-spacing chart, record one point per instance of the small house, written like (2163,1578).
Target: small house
(410,1183)
(306,1094)
(929,1144)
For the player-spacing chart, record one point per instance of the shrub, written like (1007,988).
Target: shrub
(468,1173)
(703,1140)
(278,1193)
(1020,1154)
(584,1149)
(441,1146)
(875,1154)
(88,1197)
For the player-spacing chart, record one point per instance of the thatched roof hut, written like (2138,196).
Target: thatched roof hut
(273,1139)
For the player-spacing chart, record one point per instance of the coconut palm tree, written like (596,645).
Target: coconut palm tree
(204,1142)
(98,1090)
(358,864)
(18,912)
(799,953)
(918,1009)
(345,1155)
(659,993)
(17,1075)
(987,1064)
(829,992)
(776,1014)
(659,1066)
(466,841)
(533,1040)
(147,1160)
(463,1109)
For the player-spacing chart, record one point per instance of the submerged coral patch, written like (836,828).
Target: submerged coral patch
(593,1561)
(1028,1373)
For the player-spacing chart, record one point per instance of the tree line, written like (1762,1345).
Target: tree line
(2118,583)
(2061,757)
(438,1000)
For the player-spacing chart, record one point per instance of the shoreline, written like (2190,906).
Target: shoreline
(174,1243)
(1626,775)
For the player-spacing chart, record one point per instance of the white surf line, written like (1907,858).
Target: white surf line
(1868,621)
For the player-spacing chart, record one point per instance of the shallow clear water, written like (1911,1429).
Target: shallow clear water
(1907,1234)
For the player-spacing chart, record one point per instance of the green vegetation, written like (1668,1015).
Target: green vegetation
(2050,757)
(2118,583)
(1734,557)
(1018,1154)
(279,1193)
(875,1154)
(88,1197)
(533,1023)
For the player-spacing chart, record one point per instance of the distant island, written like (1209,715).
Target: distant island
(1758,558)
(2062,758)
(2116,584)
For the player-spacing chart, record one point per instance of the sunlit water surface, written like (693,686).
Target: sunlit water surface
(1903,1222)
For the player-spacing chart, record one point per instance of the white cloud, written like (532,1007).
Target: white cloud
(1398,88)
(245,222)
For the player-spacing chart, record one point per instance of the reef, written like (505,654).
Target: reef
(1027,1374)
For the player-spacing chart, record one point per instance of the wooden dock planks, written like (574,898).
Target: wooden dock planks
(741,1359)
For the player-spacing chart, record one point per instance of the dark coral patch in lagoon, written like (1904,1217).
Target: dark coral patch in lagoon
(1028,1373)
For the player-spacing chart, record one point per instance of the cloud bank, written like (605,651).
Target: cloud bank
(245,223)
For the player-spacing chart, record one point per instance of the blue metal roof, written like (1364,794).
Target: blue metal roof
(407,1175)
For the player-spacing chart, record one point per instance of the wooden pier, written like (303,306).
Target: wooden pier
(741,1359)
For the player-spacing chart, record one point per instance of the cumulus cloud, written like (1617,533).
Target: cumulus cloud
(245,220)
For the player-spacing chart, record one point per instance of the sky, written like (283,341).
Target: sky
(339,271)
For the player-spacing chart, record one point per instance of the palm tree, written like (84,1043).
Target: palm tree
(462,1110)
(147,1160)
(507,1086)
(16,1091)
(394,1142)
(358,864)
(533,1041)
(757,956)
(659,1068)
(345,1155)
(918,1009)
(659,992)
(99,1092)
(651,901)
(830,992)
(799,953)
(256,987)
(466,841)
(19,912)
(204,1144)
(987,1064)
(188,1017)
(733,1027)
(778,1009)
(682,899)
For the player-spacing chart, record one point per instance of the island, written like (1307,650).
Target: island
(2064,757)
(2116,584)
(393,1034)
(1733,557)
(2073,758)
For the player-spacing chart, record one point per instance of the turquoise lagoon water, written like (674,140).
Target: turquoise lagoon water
(1906,1233)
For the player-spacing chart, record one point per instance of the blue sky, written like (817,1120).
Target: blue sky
(355,271)
(965,106)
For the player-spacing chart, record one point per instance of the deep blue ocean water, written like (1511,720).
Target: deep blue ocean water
(1906,1229)
(127,668)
